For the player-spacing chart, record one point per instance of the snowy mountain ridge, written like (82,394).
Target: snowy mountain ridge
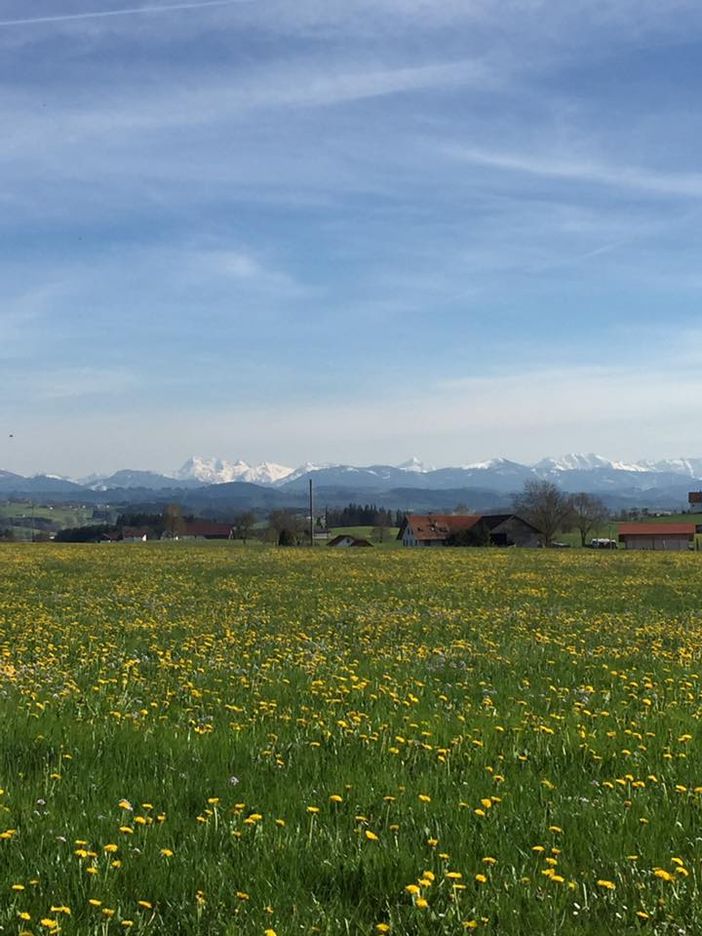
(573,472)
(218,471)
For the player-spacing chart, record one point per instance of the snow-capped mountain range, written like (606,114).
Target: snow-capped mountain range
(217,471)
(661,483)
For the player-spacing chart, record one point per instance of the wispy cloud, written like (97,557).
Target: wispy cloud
(105,14)
(684,184)
(523,415)
(80,383)
(469,183)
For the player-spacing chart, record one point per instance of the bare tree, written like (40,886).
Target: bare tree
(545,506)
(173,520)
(244,524)
(588,513)
(382,525)
(285,527)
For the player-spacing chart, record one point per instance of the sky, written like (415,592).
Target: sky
(348,231)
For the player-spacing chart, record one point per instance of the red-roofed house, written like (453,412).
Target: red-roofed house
(486,530)
(661,536)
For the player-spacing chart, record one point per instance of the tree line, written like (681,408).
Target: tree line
(363,515)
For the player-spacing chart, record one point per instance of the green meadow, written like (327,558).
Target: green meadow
(210,739)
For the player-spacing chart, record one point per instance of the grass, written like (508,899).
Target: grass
(59,515)
(205,739)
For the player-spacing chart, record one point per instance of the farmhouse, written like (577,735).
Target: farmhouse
(201,529)
(661,536)
(474,530)
(344,540)
(135,534)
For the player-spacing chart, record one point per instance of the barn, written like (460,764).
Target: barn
(668,537)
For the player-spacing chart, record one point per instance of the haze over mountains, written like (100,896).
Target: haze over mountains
(412,484)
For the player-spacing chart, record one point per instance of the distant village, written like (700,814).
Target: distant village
(543,517)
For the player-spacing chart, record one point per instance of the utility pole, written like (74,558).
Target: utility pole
(311,515)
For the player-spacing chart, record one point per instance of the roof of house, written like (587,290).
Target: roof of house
(439,526)
(355,541)
(205,528)
(657,529)
(493,520)
(135,532)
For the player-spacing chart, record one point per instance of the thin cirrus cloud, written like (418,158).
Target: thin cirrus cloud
(108,14)
(330,191)
(289,85)
(79,384)
(574,169)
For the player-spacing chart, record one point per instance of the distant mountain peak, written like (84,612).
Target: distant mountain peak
(415,464)
(575,461)
(492,464)
(218,471)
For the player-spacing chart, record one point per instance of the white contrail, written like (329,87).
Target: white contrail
(98,14)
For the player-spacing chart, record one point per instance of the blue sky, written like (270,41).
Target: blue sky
(348,231)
